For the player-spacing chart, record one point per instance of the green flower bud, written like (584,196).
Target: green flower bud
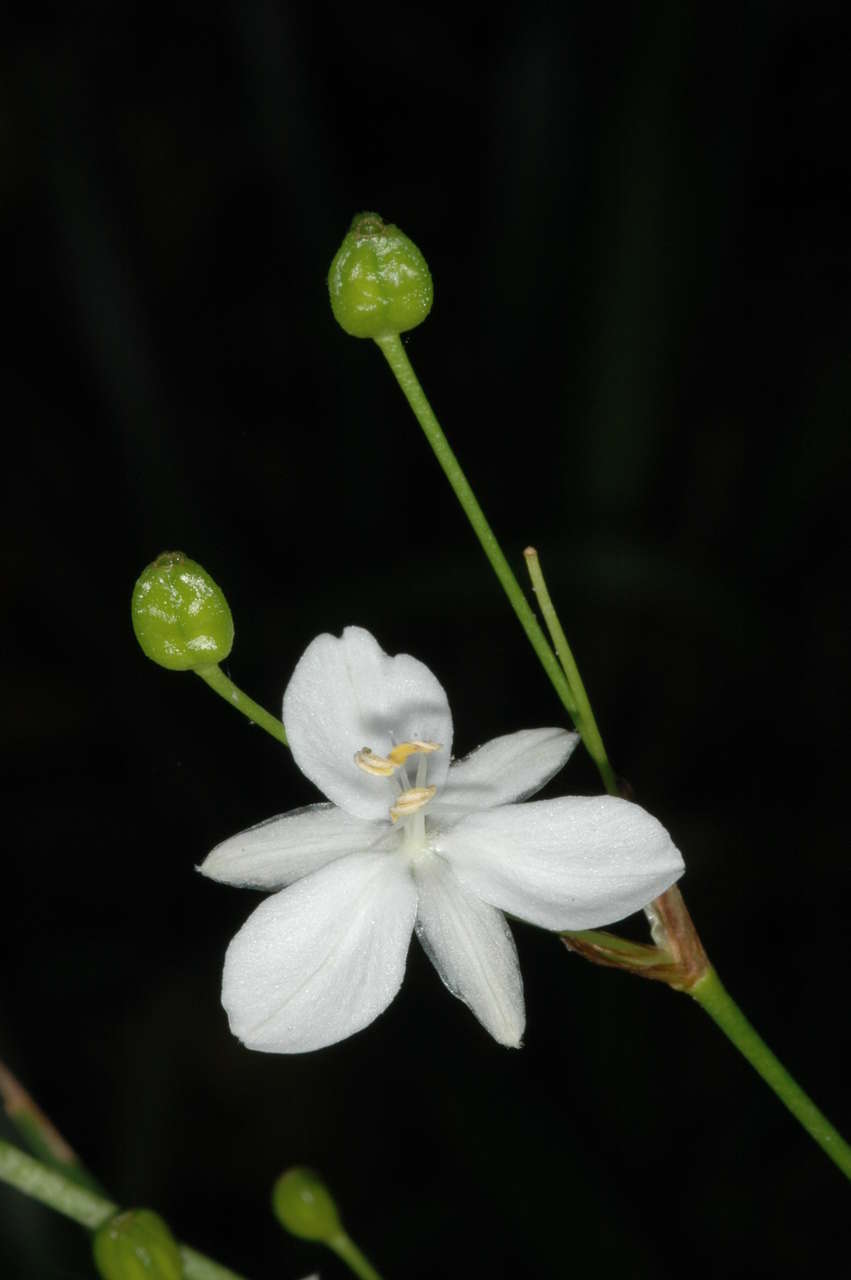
(302,1203)
(379,281)
(180,617)
(136,1245)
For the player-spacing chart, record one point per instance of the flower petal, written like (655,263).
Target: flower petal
(283,849)
(321,959)
(508,768)
(572,863)
(346,694)
(471,946)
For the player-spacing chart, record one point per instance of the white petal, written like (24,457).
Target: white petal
(508,768)
(346,694)
(321,959)
(283,849)
(471,946)
(572,863)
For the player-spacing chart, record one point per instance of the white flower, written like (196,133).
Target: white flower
(414,841)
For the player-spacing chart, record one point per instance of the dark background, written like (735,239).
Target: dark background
(637,221)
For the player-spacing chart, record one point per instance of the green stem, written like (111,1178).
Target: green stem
(39,1134)
(570,689)
(587,723)
(197,1266)
(711,996)
(53,1188)
(396,357)
(91,1210)
(346,1249)
(225,687)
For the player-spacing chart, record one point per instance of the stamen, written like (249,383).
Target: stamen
(370,762)
(411,801)
(386,766)
(400,754)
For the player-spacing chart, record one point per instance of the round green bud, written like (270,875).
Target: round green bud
(136,1245)
(379,281)
(302,1203)
(180,617)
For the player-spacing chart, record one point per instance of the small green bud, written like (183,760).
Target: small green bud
(302,1203)
(180,617)
(136,1245)
(379,281)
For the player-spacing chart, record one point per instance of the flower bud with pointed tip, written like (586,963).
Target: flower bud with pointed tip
(302,1203)
(136,1245)
(379,281)
(180,616)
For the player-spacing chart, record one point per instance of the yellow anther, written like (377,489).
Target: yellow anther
(370,762)
(410,801)
(400,754)
(386,766)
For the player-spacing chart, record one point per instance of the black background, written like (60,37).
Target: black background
(637,222)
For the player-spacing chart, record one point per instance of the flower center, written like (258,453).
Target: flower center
(411,799)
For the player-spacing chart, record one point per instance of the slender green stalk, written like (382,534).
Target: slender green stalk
(346,1249)
(587,724)
(39,1134)
(707,990)
(396,357)
(197,1266)
(60,1192)
(225,687)
(53,1188)
(712,997)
